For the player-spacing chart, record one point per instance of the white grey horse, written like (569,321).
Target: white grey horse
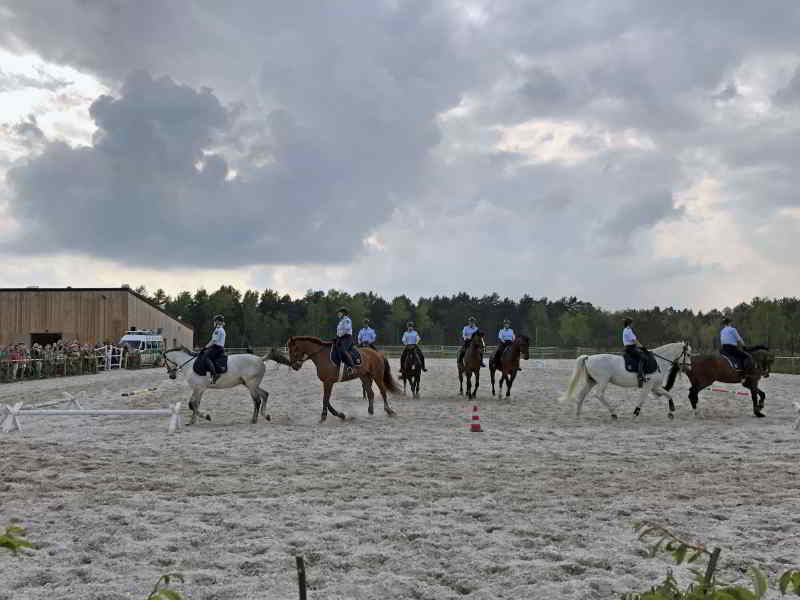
(602,369)
(243,369)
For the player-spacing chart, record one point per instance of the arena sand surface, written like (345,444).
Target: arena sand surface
(540,505)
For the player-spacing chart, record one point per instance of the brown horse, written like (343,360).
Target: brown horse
(471,363)
(509,363)
(374,367)
(708,368)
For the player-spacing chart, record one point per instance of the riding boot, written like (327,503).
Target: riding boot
(640,375)
(422,360)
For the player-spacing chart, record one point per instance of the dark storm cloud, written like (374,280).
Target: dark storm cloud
(334,117)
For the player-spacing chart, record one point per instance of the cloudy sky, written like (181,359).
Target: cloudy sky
(629,152)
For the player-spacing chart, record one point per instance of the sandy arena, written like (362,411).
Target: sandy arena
(540,505)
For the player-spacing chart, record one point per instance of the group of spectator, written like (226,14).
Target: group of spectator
(62,358)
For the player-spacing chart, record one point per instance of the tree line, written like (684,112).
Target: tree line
(268,318)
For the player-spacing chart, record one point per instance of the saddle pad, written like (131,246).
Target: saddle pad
(632,363)
(336,354)
(200,368)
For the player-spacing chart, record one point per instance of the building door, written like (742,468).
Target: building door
(44,338)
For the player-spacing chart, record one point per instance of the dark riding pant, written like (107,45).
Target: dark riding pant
(742,358)
(344,344)
(211,354)
(638,354)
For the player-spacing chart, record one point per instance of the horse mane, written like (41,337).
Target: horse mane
(310,338)
(183,349)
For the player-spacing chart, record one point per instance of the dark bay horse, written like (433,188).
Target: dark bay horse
(374,367)
(509,363)
(708,368)
(413,372)
(471,364)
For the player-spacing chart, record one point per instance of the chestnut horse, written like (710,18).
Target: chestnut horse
(374,367)
(471,363)
(509,363)
(708,368)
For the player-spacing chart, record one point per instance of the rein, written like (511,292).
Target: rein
(310,356)
(177,369)
(680,357)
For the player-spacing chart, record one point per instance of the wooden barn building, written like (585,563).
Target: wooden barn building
(89,315)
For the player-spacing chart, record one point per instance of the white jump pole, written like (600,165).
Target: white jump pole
(11,422)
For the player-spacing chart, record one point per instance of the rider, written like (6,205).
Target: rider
(469,330)
(506,337)
(366,335)
(410,339)
(344,337)
(731,342)
(633,348)
(216,347)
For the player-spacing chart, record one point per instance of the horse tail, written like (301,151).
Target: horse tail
(388,380)
(579,374)
(673,374)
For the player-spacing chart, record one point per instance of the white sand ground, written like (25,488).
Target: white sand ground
(540,505)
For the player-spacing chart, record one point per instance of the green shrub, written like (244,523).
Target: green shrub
(12,539)
(706,584)
(162,589)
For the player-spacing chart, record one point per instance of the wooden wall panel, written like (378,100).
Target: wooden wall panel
(90,316)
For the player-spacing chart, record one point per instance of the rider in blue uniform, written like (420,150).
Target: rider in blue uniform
(367,335)
(633,347)
(344,338)
(466,334)
(506,337)
(410,340)
(216,347)
(731,343)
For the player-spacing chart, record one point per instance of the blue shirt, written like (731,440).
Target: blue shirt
(411,337)
(468,330)
(628,337)
(506,334)
(367,334)
(345,327)
(729,335)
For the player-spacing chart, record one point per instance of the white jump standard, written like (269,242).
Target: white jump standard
(11,421)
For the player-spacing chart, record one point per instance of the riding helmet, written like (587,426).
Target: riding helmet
(219,318)
(627,321)
(471,319)
(726,321)
(342,309)
(410,324)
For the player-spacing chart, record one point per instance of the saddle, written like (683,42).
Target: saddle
(733,361)
(339,347)
(199,365)
(632,363)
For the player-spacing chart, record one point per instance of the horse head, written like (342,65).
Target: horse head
(296,356)
(524,345)
(763,358)
(171,365)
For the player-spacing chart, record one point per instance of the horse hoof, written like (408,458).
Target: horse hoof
(267,417)
(636,411)
(613,416)
(371,410)
(671,416)
(760,415)
(342,416)
(391,413)
(208,417)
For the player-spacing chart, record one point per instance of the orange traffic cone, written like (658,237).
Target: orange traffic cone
(475,426)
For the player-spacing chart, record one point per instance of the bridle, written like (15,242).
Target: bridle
(177,368)
(305,356)
(682,359)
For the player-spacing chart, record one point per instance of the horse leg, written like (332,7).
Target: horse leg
(601,395)
(754,396)
(460,381)
(366,385)
(658,391)
(761,398)
(642,397)
(510,381)
(326,393)
(256,397)
(382,389)
(491,377)
(582,396)
(333,411)
(264,397)
(477,382)
(194,404)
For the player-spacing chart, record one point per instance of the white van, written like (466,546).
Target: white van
(143,340)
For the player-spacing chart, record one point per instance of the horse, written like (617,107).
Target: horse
(708,368)
(602,369)
(243,369)
(509,363)
(374,367)
(412,369)
(471,363)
